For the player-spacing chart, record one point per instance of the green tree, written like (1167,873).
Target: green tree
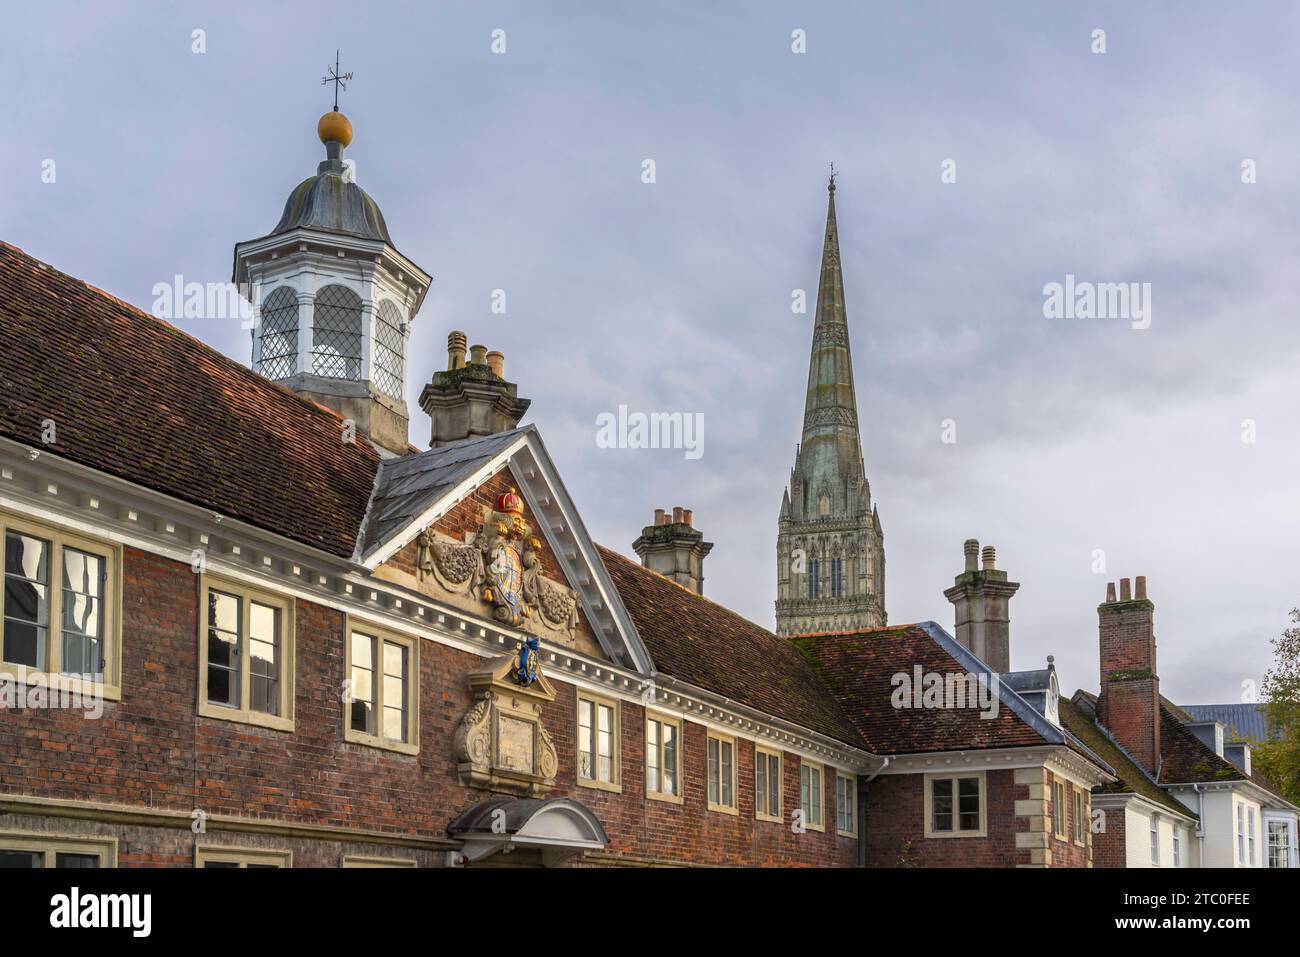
(1277,759)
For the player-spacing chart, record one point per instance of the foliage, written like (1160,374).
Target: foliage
(1277,759)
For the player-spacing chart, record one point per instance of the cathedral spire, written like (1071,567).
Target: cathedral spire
(830,407)
(830,549)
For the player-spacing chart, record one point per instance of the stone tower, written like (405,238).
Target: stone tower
(830,551)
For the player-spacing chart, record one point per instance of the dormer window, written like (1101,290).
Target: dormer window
(336,334)
(278,346)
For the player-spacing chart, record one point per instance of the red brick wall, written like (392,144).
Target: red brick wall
(1109,847)
(152,749)
(895,807)
(1066,853)
(1130,688)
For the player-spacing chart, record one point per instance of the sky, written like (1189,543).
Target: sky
(1085,449)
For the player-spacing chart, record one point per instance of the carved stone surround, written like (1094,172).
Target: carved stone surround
(501,743)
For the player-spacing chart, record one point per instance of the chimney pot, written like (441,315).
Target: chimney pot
(972,549)
(659,516)
(990,558)
(677,515)
(686,516)
(1110,593)
(497,363)
(455,350)
(1141,583)
(1125,590)
(478,355)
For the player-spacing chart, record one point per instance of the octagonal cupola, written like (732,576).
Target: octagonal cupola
(333,298)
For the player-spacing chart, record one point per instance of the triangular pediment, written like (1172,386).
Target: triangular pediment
(442,522)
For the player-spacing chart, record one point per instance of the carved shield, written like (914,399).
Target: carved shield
(507,575)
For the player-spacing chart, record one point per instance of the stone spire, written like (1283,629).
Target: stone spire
(830,548)
(830,419)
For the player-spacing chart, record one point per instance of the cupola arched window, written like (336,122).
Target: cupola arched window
(336,334)
(389,350)
(279,339)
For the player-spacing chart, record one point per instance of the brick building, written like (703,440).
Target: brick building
(1182,797)
(247,623)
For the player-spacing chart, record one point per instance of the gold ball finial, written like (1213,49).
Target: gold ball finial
(335,127)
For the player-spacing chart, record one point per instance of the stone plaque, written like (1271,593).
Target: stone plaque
(515,744)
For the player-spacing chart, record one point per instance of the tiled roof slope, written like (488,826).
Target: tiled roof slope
(139,399)
(697,640)
(1130,779)
(859,667)
(1184,758)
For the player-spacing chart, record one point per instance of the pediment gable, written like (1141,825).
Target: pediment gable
(437,523)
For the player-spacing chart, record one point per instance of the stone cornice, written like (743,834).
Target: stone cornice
(50,488)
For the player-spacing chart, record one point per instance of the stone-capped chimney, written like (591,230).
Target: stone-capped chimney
(470,399)
(674,548)
(981,596)
(1129,705)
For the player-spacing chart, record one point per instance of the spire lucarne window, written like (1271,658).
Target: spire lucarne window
(826,510)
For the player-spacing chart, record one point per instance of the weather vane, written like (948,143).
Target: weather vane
(833,173)
(332,75)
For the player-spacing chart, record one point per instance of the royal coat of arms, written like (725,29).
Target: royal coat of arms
(503,567)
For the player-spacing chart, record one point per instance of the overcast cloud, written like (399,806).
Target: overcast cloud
(522,172)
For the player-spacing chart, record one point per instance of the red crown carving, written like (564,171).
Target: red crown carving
(510,502)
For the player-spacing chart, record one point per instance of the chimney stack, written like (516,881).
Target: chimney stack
(980,597)
(470,400)
(1129,705)
(674,549)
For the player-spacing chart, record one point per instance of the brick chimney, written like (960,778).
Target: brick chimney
(471,399)
(674,548)
(1130,688)
(980,596)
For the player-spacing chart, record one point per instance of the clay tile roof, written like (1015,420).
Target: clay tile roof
(697,640)
(859,668)
(137,398)
(1184,758)
(1130,778)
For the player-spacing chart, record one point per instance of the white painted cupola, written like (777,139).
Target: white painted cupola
(333,299)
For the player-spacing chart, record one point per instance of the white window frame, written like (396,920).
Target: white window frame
(652,789)
(1060,810)
(811,767)
(244,712)
(1251,814)
(1079,813)
(954,777)
(722,741)
(616,732)
(846,792)
(1178,846)
(1241,834)
(1154,833)
(377,740)
(766,755)
(110,604)
(1289,829)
